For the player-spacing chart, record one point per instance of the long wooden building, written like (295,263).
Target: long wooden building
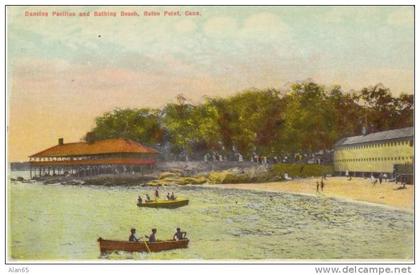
(388,152)
(110,156)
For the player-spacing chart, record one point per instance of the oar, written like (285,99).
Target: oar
(147,247)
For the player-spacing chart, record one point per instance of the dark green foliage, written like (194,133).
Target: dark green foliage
(142,125)
(305,119)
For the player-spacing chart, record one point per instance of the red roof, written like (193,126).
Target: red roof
(107,146)
(124,161)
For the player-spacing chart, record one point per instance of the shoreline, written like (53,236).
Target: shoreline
(404,201)
(341,199)
(358,190)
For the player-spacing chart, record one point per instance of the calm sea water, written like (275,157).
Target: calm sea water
(55,222)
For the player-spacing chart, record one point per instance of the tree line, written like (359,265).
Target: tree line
(306,118)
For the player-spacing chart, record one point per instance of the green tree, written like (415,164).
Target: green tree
(142,125)
(178,120)
(306,119)
(378,106)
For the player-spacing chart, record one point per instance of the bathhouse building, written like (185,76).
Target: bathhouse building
(108,156)
(388,152)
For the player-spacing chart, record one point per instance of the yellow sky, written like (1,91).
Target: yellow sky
(63,72)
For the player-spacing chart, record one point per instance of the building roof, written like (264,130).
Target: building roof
(107,161)
(107,146)
(402,133)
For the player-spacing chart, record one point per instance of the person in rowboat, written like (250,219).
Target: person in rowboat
(133,237)
(179,235)
(152,237)
(173,196)
(147,198)
(139,200)
(168,196)
(157,193)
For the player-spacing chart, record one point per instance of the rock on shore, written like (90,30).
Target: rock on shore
(234,175)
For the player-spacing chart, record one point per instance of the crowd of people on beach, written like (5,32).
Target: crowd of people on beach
(382,177)
(320,185)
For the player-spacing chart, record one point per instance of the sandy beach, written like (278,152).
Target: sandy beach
(358,189)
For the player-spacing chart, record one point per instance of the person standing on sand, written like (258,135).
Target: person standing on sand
(317,186)
(157,193)
(322,185)
(373,179)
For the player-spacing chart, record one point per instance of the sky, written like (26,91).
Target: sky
(63,71)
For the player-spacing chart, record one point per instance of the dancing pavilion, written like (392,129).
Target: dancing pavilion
(110,156)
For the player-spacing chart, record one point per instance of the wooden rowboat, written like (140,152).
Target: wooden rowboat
(164,203)
(106,246)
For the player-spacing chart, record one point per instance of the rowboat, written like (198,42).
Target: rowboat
(106,246)
(164,203)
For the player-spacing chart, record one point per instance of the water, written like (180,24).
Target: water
(55,222)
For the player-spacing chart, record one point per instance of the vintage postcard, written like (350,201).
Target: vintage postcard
(244,134)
